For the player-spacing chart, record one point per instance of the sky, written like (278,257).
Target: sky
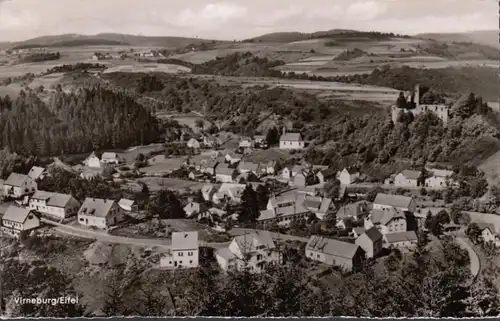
(240,19)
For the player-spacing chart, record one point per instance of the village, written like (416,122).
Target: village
(293,191)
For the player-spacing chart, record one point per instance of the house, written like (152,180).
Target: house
(128,205)
(259,139)
(291,141)
(232,158)
(286,172)
(37,172)
(185,251)
(92,161)
(224,174)
(110,158)
(19,221)
(332,252)
(325,175)
(299,180)
(246,143)
(488,233)
(439,179)
(353,210)
(249,251)
(193,143)
(55,205)
(192,208)
(100,213)
(348,176)
(401,240)
(209,166)
(18,185)
(208,192)
(403,203)
(387,220)
(407,179)
(371,241)
(229,191)
(248,167)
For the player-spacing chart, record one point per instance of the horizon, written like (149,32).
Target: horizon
(241,19)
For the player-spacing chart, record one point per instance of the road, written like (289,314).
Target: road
(475,263)
(277,236)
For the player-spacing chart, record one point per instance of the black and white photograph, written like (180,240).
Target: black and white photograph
(249,158)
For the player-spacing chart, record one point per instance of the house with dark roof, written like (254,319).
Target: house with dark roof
(407,179)
(401,240)
(249,251)
(387,220)
(54,205)
(19,221)
(291,141)
(17,185)
(400,202)
(346,255)
(371,241)
(100,213)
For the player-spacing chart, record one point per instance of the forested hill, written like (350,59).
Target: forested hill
(74,123)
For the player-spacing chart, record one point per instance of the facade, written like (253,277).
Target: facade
(18,221)
(55,205)
(371,241)
(19,185)
(291,141)
(402,203)
(286,173)
(325,175)
(401,240)
(407,179)
(348,176)
(439,179)
(333,252)
(185,251)
(92,161)
(100,213)
(246,143)
(249,251)
(387,220)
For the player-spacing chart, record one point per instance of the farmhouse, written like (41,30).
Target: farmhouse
(371,241)
(291,141)
(54,205)
(387,220)
(439,178)
(18,185)
(249,251)
(18,221)
(100,213)
(401,240)
(92,161)
(348,176)
(332,252)
(37,172)
(185,251)
(110,158)
(407,179)
(128,205)
(403,203)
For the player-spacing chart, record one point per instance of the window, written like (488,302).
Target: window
(190,262)
(181,253)
(180,262)
(259,257)
(317,255)
(190,253)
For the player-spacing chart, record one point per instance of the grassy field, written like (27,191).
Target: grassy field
(159,183)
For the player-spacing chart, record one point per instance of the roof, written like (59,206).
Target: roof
(126,202)
(252,242)
(373,234)
(291,137)
(297,169)
(96,207)
(185,240)
(224,170)
(16,214)
(35,172)
(384,216)
(225,253)
(42,195)
(352,209)
(483,226)
(248,166)
(359,230)
(439,172)
(332,247)
(393,200)
(108,155)
(207,188)
(266,214)
(16,179)
(59,200)
(410,174)
(401,237)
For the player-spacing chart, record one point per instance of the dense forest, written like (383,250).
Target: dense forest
(74,123)
(40,57)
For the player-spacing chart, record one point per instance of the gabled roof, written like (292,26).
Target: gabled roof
(96,207)
(35,172)
(59,200)
(359,230)
(401,237)
(332,247)
(440,172)
(126,203)
(352,209)
(41,195)
(108,155)
(291,137)
(266,214)
(16,179)
(185,240)
(225,253)
(248,166)
(410,174)
(384,216)
(393,200)
(249,243)
(373,234)
(16,214)
(483,226)
(224,170)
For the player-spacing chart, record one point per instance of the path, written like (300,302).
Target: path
(475,264)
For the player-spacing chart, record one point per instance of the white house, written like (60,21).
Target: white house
(249,251)
(229,191)
(407,179)
(128,205)
(100,213)
(185,251)
(110,158)
(18,221)
(333,252)
(193,143)
(385,201)
(92,161)
(387,220)
(439,178)
(488,233)
(56,205)
(192,208)
(401,240)
(18,185)
(348,176)
(291,141)
(36,172)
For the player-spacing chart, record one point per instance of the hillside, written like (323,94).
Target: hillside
(486,37)
(284,37)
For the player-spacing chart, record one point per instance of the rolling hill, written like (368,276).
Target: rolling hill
(486,37)
(284,37)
